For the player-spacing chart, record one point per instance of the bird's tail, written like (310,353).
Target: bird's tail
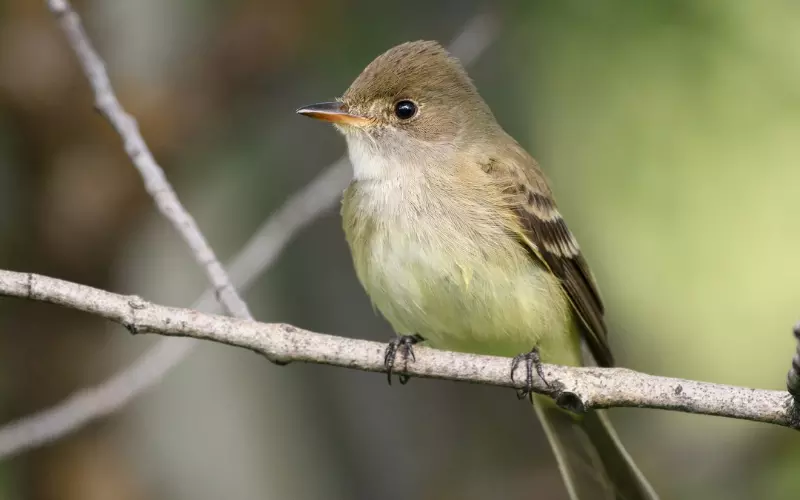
(592,461)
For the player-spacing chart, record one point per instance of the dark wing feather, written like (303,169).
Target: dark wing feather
(546,235)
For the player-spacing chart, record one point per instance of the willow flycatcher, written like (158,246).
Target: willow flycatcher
(457,240)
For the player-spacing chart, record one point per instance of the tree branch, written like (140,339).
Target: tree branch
(580,389)
(155,182)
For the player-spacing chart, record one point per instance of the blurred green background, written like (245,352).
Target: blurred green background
(669,131)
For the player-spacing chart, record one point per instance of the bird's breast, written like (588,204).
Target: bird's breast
(453,274)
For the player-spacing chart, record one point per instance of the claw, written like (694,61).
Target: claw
(402,343)
(532,361)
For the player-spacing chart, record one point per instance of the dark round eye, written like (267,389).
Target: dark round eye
(405,109)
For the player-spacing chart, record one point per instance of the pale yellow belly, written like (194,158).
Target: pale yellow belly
(459,297)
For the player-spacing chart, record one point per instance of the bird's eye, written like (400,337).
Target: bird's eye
(405,109)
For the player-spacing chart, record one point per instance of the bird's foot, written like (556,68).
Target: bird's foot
(532,361)
(405,344)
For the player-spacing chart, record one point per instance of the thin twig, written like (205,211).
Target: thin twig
(155,182)
(89,403)
(257,255)
(579,388)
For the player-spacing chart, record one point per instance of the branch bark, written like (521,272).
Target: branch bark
(578,388)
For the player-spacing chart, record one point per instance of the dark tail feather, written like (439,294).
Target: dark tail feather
(592,461)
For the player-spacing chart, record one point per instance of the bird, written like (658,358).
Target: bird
(457,239)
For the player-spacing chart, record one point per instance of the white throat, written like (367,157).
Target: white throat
(393,181)
(401,158)
(369,164)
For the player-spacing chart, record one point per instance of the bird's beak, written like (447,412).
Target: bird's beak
(334,112)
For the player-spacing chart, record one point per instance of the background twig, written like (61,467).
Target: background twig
(155,182)
(151,367)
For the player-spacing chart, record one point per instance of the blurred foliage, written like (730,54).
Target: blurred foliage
(668,129)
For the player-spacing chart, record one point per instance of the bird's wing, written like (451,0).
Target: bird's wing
(544,233)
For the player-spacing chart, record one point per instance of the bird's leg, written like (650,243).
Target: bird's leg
(402,343)
(532,360)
